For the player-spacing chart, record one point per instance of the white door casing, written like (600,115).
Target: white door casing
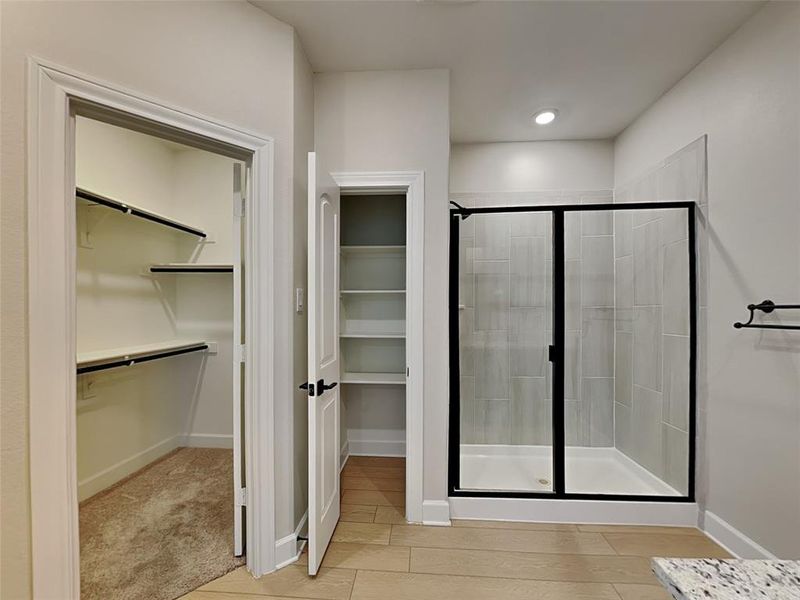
(323,360)
(55,95)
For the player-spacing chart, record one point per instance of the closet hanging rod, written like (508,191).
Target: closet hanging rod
(190,268)
(134,359)
(138,212)
(767,306)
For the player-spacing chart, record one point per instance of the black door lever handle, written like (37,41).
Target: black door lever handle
(322,387)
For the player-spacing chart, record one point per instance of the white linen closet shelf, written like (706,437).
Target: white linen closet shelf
(372,328)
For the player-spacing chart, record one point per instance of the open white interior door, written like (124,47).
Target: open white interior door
(239,197)
(323,360)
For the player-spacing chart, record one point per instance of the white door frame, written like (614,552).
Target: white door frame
(54,96)
(412,183)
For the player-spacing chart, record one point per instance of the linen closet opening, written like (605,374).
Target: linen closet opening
(159,312)
(373,350)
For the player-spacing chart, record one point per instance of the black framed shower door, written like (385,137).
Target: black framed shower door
(555,352)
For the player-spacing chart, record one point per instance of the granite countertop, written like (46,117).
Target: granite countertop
(718,579)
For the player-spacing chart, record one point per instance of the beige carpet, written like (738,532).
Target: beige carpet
(163,531)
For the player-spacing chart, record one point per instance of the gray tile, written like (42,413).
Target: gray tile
(491,236)
(493,421)
(491,295)
(674,224)
(597,342)
(647,430)
(528,255)
(467,433)
(701,367)
(597,271)
(597,222)
(647,264)
(676,288)
(702,266)
(676,381)
(528,343)
(572,365)
(466,277)
(572,236)
(492,365)
(622,194)
(623,282)
(466,338)
(576,423)
(623,320)
(531,411)
(623,368)
(676,458)
(598,395)
(623,439)
(536,224)
(647,347)
(623,233)
(572,294)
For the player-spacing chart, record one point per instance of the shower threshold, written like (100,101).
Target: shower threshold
(487,467)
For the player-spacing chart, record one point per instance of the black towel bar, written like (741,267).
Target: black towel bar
(767,306)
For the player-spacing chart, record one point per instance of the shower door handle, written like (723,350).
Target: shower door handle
(551,353)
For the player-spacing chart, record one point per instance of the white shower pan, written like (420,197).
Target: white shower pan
(530,469)
(596,471)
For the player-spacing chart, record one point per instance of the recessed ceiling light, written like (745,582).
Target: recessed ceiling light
(545,117)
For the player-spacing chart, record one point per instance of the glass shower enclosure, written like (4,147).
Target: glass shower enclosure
(572,351)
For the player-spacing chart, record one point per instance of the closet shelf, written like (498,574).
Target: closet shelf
(138,212)
(373,249)
(191,268)
(374,335)
(375,378)
(88,362)
(372,291)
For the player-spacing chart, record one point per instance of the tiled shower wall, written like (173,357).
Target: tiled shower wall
(651,410)
(626,316)
(505,292)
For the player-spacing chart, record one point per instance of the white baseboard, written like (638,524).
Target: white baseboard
(733,540)
(376,448)
(208,440)
(436,512)
(344,454)
(89,486)
(289,548)
(575,511)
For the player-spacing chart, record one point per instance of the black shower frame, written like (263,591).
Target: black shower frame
(556,352)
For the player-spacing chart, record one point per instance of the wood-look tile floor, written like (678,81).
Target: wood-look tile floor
(376,555)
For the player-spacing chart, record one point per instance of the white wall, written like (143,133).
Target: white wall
(525,166)
(129,417)
(399,120)
(303,118)
(227,60)
(745,96)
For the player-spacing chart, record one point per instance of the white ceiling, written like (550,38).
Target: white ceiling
(600,63)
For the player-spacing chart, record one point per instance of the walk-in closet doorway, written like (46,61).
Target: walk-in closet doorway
(105,250)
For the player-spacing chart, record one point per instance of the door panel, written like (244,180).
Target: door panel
(239,194)
(323,360)
(504,325)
